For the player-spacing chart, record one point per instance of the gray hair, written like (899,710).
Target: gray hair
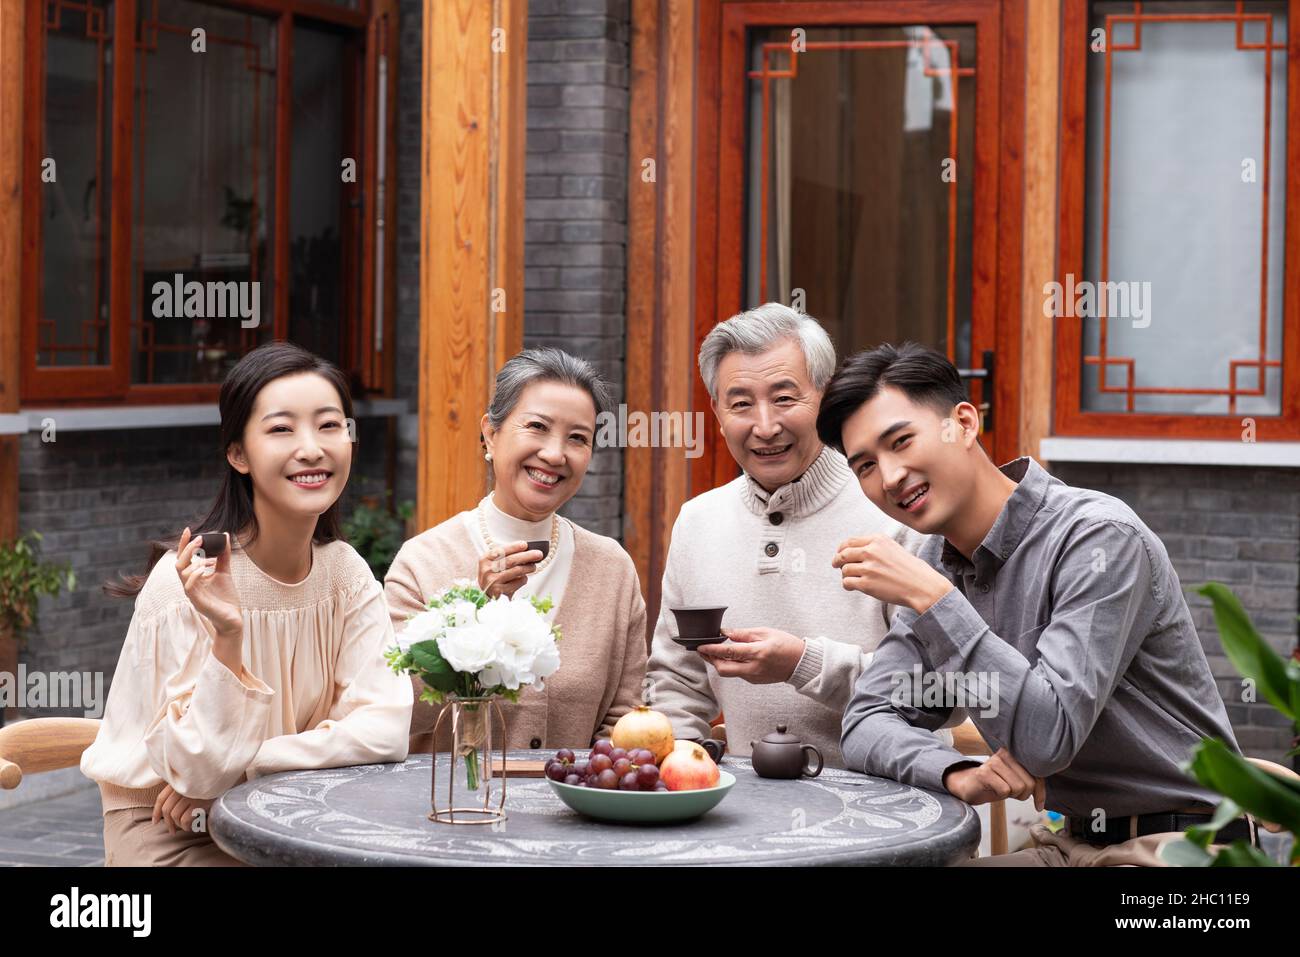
(759,329)
(545,365)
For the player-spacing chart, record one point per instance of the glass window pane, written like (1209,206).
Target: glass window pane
(204,174)
(72,328)
(316,282)
(860,181)
(1185,210)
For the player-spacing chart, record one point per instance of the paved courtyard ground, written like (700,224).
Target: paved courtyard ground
(65,831)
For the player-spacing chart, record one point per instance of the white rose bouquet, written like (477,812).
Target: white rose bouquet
(471,646)
(466,645)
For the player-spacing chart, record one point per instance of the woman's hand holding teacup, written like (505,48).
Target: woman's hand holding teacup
(504,568)
(209,585)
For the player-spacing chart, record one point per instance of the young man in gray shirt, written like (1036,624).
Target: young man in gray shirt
(1051,613)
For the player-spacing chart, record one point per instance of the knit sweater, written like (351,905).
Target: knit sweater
(768,559)
(601,616)
(315,691)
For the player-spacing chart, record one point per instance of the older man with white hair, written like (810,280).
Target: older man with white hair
(762,545)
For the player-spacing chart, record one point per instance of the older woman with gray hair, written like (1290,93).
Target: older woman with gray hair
(762,546)
(538,436)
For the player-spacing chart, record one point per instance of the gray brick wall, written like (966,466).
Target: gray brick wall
(407,320)
(576,210)
(98,498)
(1239,526)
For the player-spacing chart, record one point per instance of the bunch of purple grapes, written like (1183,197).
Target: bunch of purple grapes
(608,768)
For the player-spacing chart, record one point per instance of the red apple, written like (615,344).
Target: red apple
(688,770)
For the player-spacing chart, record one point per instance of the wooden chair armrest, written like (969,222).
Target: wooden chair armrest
(42,744)
(967,739)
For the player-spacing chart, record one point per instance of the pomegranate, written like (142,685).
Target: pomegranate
(688,770)
(644,728)
(689,746)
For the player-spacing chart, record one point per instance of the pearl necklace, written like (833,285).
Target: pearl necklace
(555,536)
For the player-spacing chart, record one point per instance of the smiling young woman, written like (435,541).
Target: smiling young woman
(268,655)
(538,436)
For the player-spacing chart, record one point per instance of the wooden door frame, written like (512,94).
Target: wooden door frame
(472,130)
(12,50)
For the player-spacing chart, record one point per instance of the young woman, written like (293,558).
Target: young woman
(265,657)
(538,436)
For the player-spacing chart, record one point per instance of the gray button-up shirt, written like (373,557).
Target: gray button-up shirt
(1070,643)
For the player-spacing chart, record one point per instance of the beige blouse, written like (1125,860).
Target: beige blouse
(601,616)
(316,690)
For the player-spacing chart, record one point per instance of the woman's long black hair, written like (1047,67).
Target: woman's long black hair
(232,510)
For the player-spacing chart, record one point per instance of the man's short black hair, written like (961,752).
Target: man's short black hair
(923,375)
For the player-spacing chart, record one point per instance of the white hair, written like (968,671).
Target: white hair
(757,330)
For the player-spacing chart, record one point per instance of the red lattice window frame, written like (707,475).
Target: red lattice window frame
(374,25)
(1070,417)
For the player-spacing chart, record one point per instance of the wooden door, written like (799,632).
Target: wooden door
(851,161)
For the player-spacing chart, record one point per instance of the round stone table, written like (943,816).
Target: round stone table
(377,815)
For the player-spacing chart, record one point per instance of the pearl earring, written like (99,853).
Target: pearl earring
(487,456)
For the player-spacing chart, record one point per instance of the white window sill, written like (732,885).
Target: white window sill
(1170,451)
(153,416)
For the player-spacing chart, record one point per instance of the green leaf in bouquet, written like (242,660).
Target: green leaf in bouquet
(434,670)
(1248,652)
(1266,796)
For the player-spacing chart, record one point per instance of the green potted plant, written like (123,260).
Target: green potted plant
(1244,786)
(376,532)
(23,579)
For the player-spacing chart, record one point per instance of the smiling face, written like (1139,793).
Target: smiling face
(912,461)
(296,447)
(767,411)
(542,450)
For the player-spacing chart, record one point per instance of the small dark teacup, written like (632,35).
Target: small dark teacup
(699,621)
(214,543)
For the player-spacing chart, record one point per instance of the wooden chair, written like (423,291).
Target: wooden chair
(967,739)
(42,744)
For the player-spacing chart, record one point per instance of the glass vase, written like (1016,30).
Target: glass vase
(475,792)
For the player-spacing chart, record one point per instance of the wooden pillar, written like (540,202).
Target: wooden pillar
(12,32)
(1042,113)
(661,366)
(471,236)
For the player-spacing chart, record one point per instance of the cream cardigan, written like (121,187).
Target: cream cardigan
(602,618)
(317,692)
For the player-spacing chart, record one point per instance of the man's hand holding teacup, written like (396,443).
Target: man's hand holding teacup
(878,566)
(761,656)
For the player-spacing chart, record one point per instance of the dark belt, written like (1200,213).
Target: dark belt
(1121,829)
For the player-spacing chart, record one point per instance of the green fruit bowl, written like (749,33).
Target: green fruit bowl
(643,807)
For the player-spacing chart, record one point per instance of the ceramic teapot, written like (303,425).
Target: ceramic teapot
(781,755)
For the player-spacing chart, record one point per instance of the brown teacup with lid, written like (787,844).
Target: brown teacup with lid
(781,755)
